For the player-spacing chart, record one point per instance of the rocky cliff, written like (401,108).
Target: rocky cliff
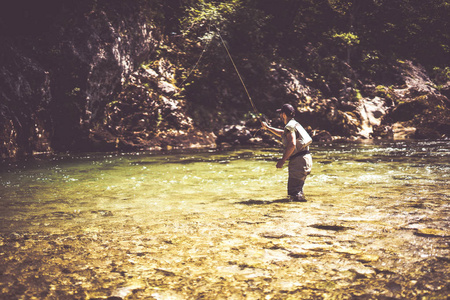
(57,78)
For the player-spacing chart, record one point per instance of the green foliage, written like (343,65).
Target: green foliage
(340,6)
(331,41)
(347,39)
(206,13)
(441,75)
(74,92)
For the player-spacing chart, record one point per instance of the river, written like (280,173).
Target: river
(217,225)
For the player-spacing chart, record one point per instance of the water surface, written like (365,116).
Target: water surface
(216,224)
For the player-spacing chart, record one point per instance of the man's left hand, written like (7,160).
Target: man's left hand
(280,164)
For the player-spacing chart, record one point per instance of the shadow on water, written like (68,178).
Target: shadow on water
(267,202)
(330,227)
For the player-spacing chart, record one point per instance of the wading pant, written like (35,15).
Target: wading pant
(299,168)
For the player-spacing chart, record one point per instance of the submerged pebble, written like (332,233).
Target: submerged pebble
(432,232)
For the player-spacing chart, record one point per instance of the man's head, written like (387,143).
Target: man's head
(288,110)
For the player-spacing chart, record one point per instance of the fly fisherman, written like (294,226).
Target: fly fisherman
(296,149)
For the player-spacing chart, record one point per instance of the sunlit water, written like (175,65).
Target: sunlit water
(226,210)
(140,186)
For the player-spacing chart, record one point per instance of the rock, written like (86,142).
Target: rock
(371,112)
(167,88)
(432,232)
(326,115)
(299,253)
(445,89)
(165,272)
(416,78)
(123,292)
(366,258)
(400,131)
(322,136)
(363,272)
(276,235)
(149,115)
(290,82)
(333,227)
(234,135)
(105,213)
(413,101)
(419,106)
(382,131)
(317,247)
(25,125)
(275,255)
(350,251)
(151,73)
(107,102)
(407,110)
(429,115)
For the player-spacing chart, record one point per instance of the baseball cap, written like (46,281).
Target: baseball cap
(287,109)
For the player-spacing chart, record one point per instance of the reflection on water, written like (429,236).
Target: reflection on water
(218,222)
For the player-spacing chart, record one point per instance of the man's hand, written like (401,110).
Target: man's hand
(280,163)
(275,131)
(264,125)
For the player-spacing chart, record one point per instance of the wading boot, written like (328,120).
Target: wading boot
(300,197)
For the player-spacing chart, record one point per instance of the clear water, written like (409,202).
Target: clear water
(138,186)
(221,216)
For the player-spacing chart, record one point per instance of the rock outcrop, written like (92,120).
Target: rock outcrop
(421,111)
(149,114)
(56,81)
(412,108)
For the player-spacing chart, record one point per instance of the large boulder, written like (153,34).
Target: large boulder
(371,111)
(25,97)
(420,110)
(144,113)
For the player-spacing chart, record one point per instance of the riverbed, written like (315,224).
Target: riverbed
(218,225)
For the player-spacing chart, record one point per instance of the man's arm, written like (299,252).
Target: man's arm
(290,147)
(276,131)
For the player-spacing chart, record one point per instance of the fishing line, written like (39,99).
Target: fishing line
(242,81)
(196,64)
(237,71)
(232,61)
(198,61)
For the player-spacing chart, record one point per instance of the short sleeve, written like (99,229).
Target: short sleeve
(290,127)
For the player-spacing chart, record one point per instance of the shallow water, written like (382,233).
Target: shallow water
(216,225)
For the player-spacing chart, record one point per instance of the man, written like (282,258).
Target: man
(296,149)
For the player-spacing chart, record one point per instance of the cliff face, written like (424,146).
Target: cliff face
(55,80)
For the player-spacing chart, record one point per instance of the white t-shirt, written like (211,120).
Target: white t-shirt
(303,138)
